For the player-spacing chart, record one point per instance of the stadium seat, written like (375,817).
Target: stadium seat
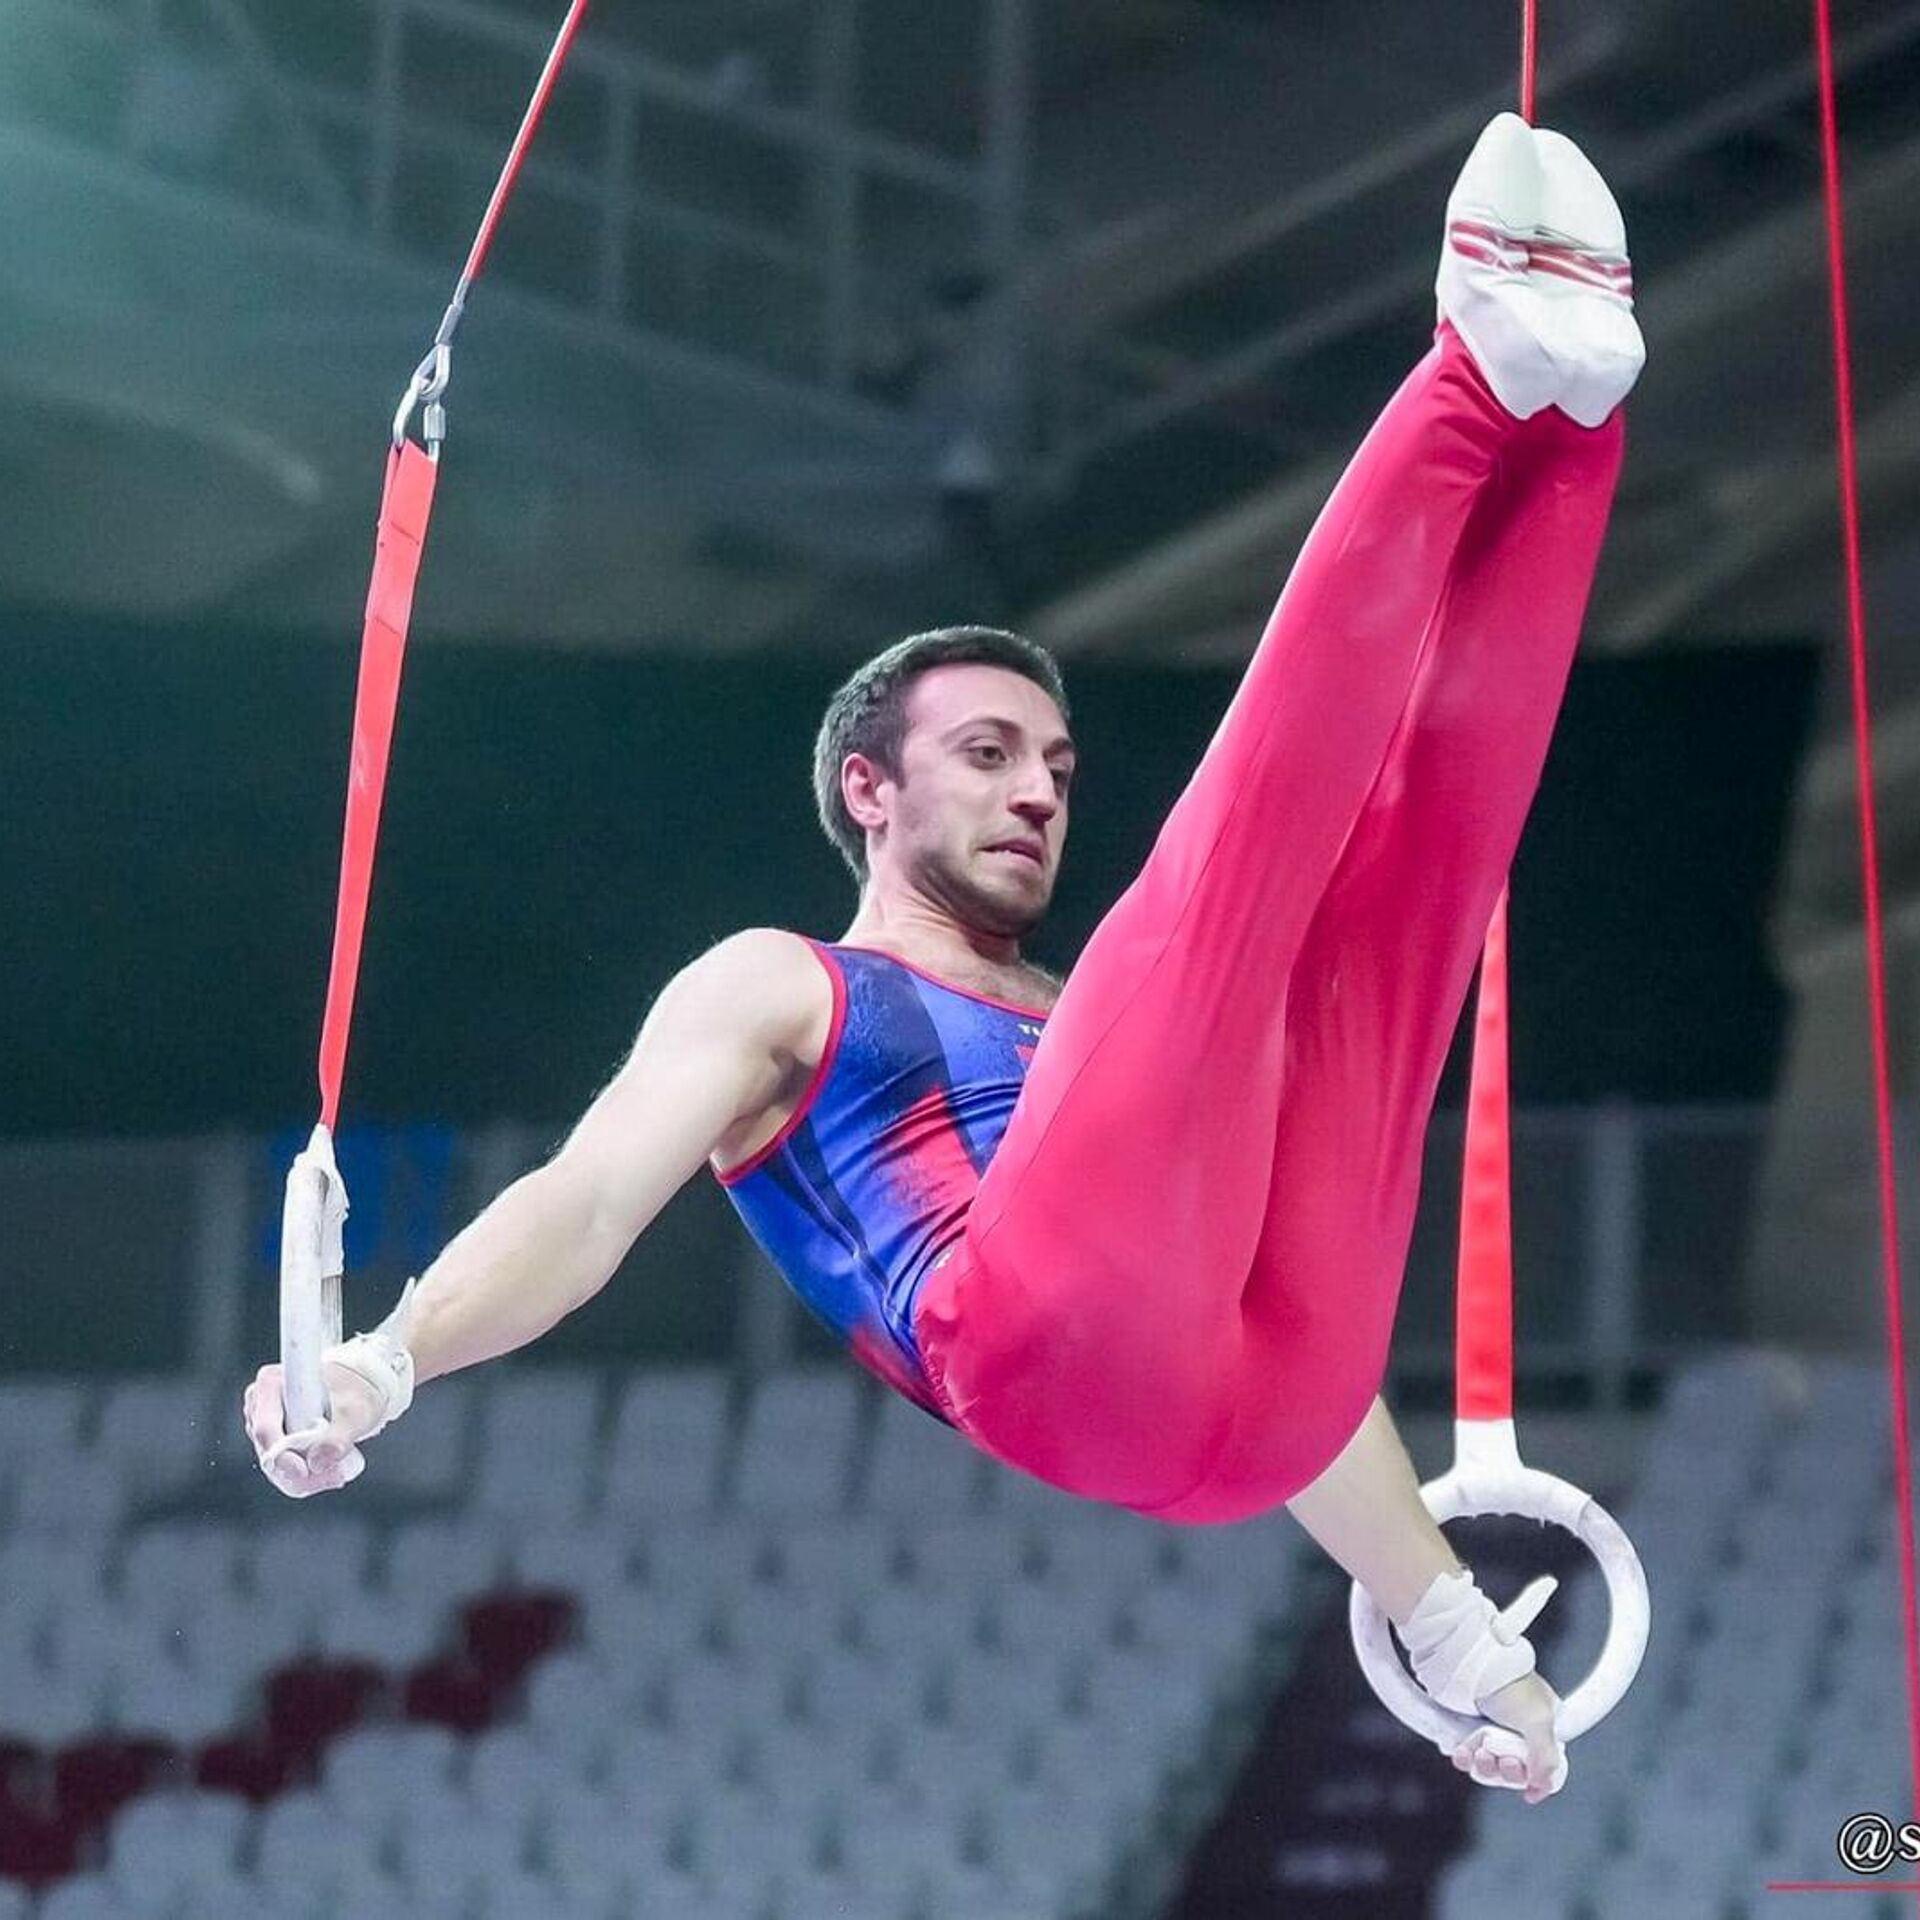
(40,1578)
(183,1705)
(1474,1888)
(745,1679)
(539,1446)
(301,1569)
(87,1896)
(373,1773)
(510,1776)
(444,1560)
(302,1842)
(599,1840)
(234,1896)
(171,1568)
(1108,1553)
(768,1623)
(796,1451)
(156,1433)
(64,1496)
(51,1708)
(524,1895)
(713,1556)
(452,1862)
(846,1554)
(668,1448)
(396,1628)
(39,1418)
(573,1703)
(963,1555)
(437,1461)
(916,1465)
(591,1560)
(163,1845)
(636,1632)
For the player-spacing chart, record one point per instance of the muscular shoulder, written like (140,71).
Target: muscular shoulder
(766,985)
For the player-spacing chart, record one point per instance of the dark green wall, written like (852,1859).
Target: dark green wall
(562,831)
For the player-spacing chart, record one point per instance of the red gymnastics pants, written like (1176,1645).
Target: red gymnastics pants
(1178,1281)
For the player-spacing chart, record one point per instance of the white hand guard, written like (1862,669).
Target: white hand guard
(382,1359)
(1462,1649)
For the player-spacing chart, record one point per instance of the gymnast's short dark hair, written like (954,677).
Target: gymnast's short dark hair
(869,714)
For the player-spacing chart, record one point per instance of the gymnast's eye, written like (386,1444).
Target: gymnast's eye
(987,746)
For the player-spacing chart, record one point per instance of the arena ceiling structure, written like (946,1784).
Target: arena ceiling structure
(816,316)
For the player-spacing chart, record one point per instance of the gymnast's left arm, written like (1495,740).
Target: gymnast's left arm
(1365,1510)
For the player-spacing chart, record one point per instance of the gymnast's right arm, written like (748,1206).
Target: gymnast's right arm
(716,1046)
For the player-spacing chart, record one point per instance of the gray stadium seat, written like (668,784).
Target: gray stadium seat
(374,1774)
(510,1776)
(1472,1888)
(164,1844)
(399,1627)
(240,1638)
(591,1560)
(66,1496)
(86,1896)
(446,1559)
(38,1417)
(54,1708)
(847,1554)
(714,1555)
(973,1555)
(668,1448)
(539,1446)
(796,1451)
(301,1842)
(174,1566)
(302,1567)
(432,1455)
(918,1467)
(156,1432)
(745,1681)
(159,1696)
(452,1864)
(48,1576)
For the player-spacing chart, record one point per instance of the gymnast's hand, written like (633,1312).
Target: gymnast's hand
(1477,1660)
(319,1459)
(1535,1762)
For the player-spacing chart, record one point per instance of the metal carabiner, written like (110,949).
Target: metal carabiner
(428,384)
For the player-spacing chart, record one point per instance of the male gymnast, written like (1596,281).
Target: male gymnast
(1142,1234)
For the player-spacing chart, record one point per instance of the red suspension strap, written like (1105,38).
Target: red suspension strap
(312,1260)
(1483,1289)
(1869,850)
(405,507)
(1488,1475)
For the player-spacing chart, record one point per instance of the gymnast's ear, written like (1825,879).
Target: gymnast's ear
(861,778)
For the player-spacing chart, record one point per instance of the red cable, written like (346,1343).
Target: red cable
(510,173)
(1869,851)
(1529,56)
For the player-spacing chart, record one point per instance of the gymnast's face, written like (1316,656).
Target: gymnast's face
(986,765)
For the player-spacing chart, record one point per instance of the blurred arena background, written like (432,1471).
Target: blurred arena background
(817,322)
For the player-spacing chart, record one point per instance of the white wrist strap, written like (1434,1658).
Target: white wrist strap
(1462,1649)
(381,1358)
